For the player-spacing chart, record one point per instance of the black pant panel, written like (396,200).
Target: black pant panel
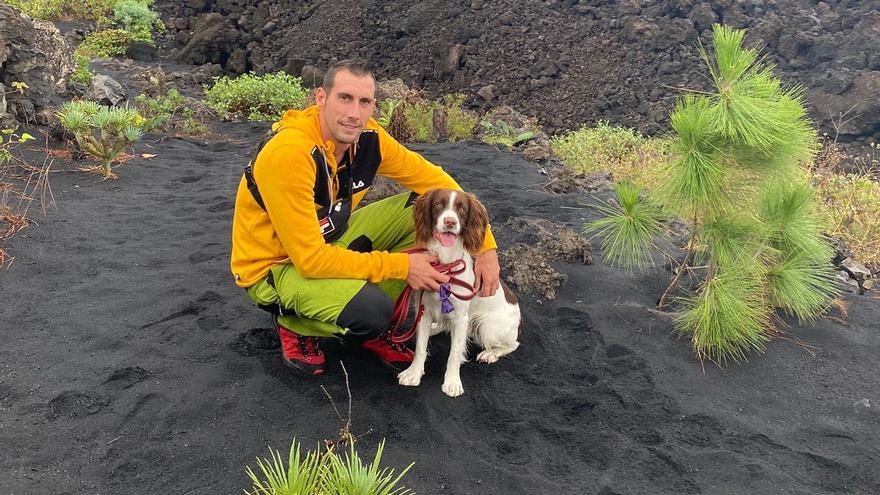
(367,314)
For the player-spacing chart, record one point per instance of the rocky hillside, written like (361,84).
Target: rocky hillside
(567,62)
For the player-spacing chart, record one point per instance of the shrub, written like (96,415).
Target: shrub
(106,43)
(136,17)
(83,74)
(168,113)
(55,9)
(460,123)
(256,97)
(737,175)
(624,152)
(101,131)
(419,116)
(324,472)
(500,132)
(850,209)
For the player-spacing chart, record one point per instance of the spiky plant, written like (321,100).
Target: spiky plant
(302,476)
(101,131)
(628,228)
(352,477)
(324,472)
(737,177)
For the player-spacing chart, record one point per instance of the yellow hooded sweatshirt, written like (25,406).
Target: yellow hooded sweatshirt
(296,174)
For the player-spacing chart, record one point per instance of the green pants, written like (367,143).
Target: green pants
(311,306)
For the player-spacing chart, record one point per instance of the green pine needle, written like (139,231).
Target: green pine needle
(727,318)
(793,227)
(729,240)
(694,179)
(628,231)
(803,287)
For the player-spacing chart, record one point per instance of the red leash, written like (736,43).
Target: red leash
(401,306)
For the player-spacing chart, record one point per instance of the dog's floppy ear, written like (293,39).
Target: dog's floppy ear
(422,218)
(475,229)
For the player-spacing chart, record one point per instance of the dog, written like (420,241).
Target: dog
(452,225)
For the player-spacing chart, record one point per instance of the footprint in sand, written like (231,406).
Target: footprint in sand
(75,404)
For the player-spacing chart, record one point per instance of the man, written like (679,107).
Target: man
(301,250)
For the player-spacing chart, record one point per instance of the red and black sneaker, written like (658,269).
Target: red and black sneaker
(394,355)
(301,352)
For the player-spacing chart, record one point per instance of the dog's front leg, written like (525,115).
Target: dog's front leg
(412,376)
(457,352)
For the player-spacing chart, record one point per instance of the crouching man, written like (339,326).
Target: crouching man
(302,250)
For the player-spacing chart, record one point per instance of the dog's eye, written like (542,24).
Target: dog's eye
(438,205)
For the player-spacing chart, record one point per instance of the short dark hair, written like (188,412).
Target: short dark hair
(358,67)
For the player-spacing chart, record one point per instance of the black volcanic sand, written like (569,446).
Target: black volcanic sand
(132,364)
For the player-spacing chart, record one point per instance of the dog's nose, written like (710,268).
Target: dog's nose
(450,222)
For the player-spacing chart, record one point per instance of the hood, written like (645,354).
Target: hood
(302,120)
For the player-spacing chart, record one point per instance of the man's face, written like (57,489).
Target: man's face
(347,108)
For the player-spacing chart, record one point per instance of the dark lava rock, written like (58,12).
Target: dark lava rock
(566,63)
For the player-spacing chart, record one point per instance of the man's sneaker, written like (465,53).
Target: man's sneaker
(396,356)
(301,352)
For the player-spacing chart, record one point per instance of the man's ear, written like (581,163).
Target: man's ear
(320,96)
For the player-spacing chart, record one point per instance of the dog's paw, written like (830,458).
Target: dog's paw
(452,388)
(410,377)
(487,357)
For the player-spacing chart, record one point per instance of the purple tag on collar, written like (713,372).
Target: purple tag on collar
(445,304)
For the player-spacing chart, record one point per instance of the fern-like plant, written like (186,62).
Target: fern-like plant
(737,176)
(101,131)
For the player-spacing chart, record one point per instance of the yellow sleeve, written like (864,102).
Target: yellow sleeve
(416,173)
(286,177)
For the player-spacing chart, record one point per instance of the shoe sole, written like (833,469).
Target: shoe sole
(397,366)
(305,369)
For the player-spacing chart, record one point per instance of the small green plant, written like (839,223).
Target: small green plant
(386,111)
(38,9)
(101,131)
(256,97)
(168,113)
(9,139)
(136,17)
(419,116)
(106,43)
(849,205)
(737,175)
(460,123)
(500,132)
(624,152)
(83,74)
(57,9)
(319,472)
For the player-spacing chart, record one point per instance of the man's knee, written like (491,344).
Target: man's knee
(367,314)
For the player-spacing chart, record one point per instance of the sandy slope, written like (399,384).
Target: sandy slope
(131,364)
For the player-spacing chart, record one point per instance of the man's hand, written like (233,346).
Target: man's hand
(487,273)
(423,276)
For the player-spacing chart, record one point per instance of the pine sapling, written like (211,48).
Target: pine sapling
(737,176)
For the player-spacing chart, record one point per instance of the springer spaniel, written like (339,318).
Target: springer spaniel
(452,225)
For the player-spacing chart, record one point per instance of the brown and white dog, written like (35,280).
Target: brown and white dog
(452,225)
